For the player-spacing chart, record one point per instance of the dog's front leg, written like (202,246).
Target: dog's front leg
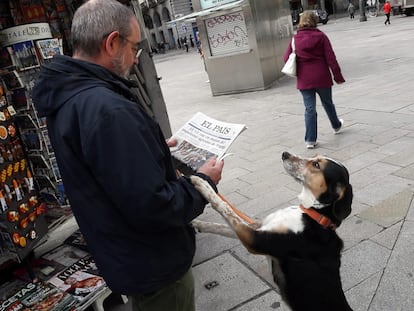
(216,202)
(243,230)
(215,228)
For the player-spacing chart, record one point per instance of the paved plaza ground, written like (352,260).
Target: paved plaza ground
(376,145)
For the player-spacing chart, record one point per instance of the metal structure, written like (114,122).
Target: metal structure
(145,73)
(244,42)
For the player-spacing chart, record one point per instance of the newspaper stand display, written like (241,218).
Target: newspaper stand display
(35,216)
(22,216)
(32,198)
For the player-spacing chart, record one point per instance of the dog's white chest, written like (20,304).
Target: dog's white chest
(287,219)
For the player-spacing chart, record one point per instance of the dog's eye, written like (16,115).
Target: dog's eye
(316,164)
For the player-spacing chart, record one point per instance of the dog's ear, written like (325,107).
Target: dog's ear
(342,207)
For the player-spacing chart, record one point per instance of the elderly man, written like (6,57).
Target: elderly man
(116,166)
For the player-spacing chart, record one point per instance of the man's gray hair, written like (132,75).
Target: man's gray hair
(96,19)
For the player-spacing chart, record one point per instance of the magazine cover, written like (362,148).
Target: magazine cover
(47,297)
(19,99)
(55,169)
(36,297)
(66,255)
(32,140)
(11,292)
(12,80)
(81,279)
(5,59)
(49,47)
(201,138)
(25,122)
(76,239)
(26,56)
(42,269)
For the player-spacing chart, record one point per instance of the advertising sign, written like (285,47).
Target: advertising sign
(206,4)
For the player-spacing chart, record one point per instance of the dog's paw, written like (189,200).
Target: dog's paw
(203,187)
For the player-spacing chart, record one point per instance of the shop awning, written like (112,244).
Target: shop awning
(192,16)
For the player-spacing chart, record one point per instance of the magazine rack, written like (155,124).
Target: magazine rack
(29,173)
(23,49)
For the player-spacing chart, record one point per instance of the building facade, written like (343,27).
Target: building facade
(162,33)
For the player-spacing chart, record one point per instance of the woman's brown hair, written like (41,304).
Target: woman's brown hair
(308,19)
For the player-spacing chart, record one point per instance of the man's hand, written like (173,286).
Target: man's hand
(171,142)
(212,168)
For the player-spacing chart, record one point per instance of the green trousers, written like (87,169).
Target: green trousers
(178,296)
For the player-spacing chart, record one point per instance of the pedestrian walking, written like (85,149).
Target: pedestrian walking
(387,11)
(132,208)
(185,43)
(315,60)
(191,41)
(351,10)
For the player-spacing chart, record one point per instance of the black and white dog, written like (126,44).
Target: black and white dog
(301,241)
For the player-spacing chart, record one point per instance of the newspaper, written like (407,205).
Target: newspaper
(201,138)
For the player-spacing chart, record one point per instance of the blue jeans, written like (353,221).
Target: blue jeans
(311,116)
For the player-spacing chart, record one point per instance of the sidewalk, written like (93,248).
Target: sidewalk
(376,145)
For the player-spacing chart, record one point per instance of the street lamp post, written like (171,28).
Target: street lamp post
(362,16)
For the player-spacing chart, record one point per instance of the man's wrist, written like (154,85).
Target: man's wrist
(208,179)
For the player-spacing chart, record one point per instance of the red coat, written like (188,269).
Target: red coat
(387,7)
(314,58)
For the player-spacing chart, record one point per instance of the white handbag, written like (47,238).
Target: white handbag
(289,68)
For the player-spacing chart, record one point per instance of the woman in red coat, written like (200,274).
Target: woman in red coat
(387,11)
(315,60)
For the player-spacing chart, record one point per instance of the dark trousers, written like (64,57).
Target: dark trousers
(388,18)
(178,296)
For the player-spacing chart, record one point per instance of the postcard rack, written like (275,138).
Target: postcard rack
(31,191)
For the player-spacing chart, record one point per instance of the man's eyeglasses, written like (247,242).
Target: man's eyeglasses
(134,46)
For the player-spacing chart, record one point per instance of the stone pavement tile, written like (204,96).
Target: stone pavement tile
(347,154)
(410,214)
(257,263)
(270,173)
(229,184)
(397,146)
(372,173)
(406,172)
(389,211)
(407,110)
(235,282)
(210,246)
(362,262)
(389,236)
(258,188)
(381,190)
(357,207)
(361,161)
(360,296)
(268,201)
(233,172)
(396,288)
(402,158)
(355,229)
(389,136)
(269,301)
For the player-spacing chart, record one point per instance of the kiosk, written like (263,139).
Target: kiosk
(243,42)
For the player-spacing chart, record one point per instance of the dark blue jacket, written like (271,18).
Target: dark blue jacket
(118,175)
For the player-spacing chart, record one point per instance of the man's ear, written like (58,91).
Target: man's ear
(112,43)
(342,207)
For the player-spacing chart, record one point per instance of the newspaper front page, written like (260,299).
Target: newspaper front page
(201,138)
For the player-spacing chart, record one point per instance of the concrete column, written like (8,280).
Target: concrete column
(362,16)
(323,5)
(304,4)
